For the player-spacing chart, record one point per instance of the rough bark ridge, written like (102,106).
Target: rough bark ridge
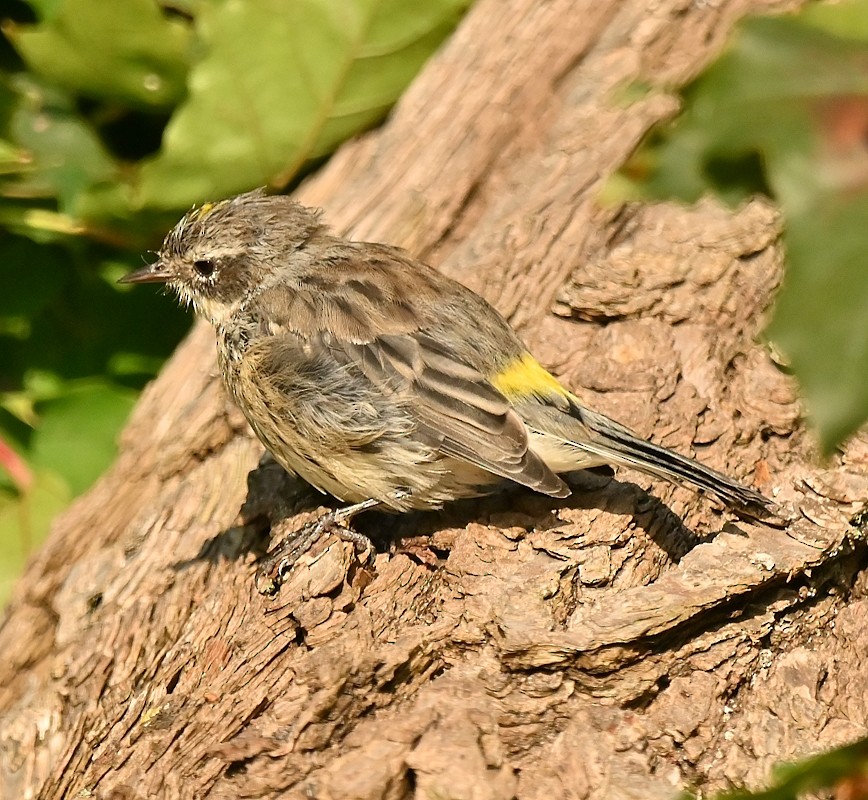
(512,647)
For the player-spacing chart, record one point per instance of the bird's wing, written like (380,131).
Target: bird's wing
(457,408)
(372,326)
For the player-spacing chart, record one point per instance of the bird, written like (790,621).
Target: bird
(381,381)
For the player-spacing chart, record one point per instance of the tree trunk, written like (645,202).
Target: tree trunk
(611,645)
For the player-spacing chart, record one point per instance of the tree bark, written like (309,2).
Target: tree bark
(626,642)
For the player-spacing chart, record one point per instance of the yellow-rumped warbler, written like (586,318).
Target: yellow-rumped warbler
(379,380)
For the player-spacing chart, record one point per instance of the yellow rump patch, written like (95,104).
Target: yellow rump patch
(526,377)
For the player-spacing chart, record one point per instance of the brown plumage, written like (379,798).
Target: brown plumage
(374,377)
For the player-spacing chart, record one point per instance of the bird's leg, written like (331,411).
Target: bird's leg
(277,564)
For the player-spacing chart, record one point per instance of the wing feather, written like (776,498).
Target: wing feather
(464,415)
(377,320)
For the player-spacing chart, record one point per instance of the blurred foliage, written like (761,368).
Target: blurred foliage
(785,111)
(114,119)
(843,771)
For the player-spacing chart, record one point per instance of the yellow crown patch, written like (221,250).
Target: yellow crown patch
(203,211)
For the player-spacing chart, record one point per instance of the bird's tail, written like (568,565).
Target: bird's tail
(618,445)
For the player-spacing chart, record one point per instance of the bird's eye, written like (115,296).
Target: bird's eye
(204,266)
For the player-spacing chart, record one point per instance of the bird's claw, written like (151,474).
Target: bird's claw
(273,570)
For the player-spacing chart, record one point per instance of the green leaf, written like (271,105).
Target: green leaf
(65,154)
(128,51)
(45,9)
(77,434)
(25,521)
(11,158)
(846,20)
(759,119)
(821,317)
(283,82)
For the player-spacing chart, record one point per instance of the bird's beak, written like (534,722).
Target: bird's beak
(153,273)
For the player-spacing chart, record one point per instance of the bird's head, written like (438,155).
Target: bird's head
(219,253)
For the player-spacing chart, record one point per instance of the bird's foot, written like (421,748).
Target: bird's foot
(279,562)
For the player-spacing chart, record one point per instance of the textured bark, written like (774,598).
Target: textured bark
(618,644)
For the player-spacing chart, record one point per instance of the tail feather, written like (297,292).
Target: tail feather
(618,445)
